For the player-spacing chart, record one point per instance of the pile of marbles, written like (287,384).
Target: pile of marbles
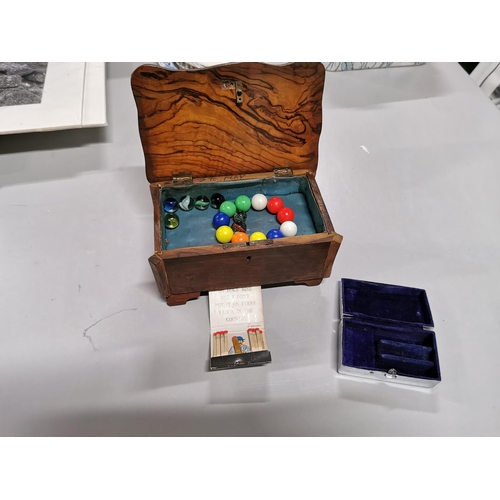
(186,203)
(236,232)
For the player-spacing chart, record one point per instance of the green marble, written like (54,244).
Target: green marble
(228,207)
(202,202)
(243,203)
(171,221)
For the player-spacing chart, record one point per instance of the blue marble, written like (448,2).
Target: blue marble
(273,234)
(220,219)
(171,205)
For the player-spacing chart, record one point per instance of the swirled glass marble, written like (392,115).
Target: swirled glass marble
(202,202)
(171,221)
(186,203)
(170,205)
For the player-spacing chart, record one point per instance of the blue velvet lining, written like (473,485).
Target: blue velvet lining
(412,352)
(365,299)
(196,229)
(383,328)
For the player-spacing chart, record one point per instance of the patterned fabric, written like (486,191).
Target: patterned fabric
(349,66)
(182,65)
(330,66)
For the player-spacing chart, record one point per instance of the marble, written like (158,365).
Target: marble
(202,202)
(216,200)
(257,236)
(285,214)
(171,220)
(239,237)
(239,227)
(221,219)
(243,203)
(170,205)
(186,203)
(274,233)
(289,228)
(228,207)
(240,217)
(224,234)
(259,202)
(275,204)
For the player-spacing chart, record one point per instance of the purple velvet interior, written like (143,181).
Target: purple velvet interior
(383,329)
(411,351)
(364,299)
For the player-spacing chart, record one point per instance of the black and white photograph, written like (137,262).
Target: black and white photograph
(21,83)
(43,96)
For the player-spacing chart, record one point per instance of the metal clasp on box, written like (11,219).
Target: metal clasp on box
(237,85)
(392,373)
(239,92)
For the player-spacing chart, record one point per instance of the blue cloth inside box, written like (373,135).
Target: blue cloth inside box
(388,327)
(196,229)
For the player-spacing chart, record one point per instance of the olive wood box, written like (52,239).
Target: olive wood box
(242,128)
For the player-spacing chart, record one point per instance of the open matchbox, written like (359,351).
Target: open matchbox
(238,336)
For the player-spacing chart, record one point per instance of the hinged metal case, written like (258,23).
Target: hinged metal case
(386,333)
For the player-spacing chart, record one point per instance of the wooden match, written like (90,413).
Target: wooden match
(251,339)
(215,346)
(224,343)
(260,336)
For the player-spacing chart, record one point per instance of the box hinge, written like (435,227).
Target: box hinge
(182,179)
(283,172)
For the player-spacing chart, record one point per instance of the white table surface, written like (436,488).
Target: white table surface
(88,347)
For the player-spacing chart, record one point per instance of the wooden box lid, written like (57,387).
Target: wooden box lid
(229,119)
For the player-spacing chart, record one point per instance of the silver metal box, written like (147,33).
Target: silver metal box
(386,333)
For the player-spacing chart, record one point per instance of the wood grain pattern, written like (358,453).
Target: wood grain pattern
(320,203)
(252,246)
(156,197)
(189,120)
(305,259)
(158,268)
(332,253)
(185,272)
(181,299)
(255,266)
